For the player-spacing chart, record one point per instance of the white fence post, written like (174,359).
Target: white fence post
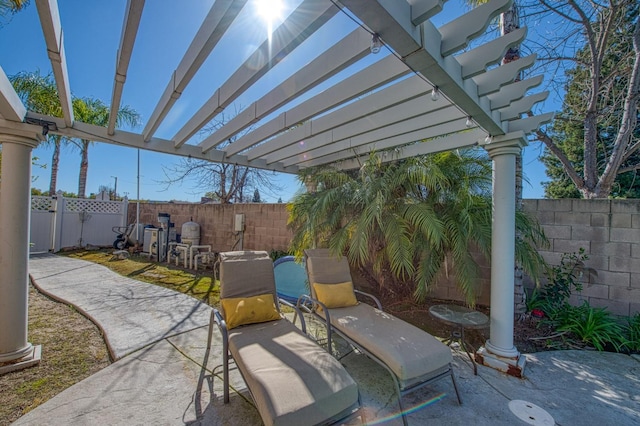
(57,217)
(125,211)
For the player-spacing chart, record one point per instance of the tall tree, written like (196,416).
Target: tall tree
(602,91)
(39,93)
(94,111)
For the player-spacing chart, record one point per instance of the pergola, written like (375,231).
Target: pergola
(439,88)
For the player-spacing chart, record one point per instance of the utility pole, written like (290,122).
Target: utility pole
(115,188)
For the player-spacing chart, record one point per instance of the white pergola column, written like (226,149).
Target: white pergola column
(15,212)
(499,351)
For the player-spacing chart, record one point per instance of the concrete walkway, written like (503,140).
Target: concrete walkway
(163,373)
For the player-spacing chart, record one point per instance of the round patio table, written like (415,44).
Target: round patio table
(461,319)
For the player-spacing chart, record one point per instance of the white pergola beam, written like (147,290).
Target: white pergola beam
(512,92)
(371,78)
(304,21)
(338,57)
(381,100)
(382,126)
(11,107)
(134,140)
(457,34)
(132,16)
(54,38)
(421,10)
(213,28)
(401,132)
(519,107)
(447,143)
(529,124)
(476,61)
(492,80)
(385,144)
(392,20)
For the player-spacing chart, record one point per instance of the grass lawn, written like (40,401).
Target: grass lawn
(197,284)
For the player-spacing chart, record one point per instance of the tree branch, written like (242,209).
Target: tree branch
(557,11)
(629,118)
(628,169)
(555,150)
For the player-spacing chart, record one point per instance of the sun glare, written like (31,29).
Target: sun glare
(269,10)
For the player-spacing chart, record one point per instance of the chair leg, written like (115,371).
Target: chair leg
(397,384)
(225,369)
(455,385)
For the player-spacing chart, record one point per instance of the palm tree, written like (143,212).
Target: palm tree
(12,6)
(413,218)
(9,8)
(39,93)
(94,111)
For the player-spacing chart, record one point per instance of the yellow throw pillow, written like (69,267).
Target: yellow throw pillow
(336,295)
(249,310)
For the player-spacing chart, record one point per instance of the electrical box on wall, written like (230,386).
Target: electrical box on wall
(238,225)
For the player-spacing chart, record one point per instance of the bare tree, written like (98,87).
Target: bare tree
(603,40)
(223,182)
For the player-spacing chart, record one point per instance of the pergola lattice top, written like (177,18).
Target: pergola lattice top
(389,104)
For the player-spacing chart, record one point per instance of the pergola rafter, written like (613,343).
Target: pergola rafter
(132,17)
(362,108)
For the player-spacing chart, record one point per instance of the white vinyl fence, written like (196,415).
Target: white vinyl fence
(58,222)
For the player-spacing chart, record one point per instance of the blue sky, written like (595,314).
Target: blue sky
(91,36)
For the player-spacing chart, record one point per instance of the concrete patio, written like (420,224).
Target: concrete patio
(163,373)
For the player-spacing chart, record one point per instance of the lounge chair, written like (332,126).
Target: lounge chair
(413,357)
(292,380)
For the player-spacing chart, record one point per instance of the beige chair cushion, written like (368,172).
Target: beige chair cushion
(324,268)
(408,351)
(293,381)
(246,273)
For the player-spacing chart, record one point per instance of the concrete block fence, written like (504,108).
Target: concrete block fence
(608,230)
(265,224)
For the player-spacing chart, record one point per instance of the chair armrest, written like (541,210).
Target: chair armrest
(216,317)
(298,313)
(302,303)
(371,296)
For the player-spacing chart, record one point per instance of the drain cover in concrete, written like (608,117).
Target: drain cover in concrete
(531,413)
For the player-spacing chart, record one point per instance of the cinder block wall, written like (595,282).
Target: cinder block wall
(609,231)
(447,288)
(265,224)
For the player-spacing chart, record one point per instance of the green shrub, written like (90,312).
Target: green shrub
(563,279)
(535,300)
(593,326)
(632,341)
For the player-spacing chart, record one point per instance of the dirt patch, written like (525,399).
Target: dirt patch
(72,349)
